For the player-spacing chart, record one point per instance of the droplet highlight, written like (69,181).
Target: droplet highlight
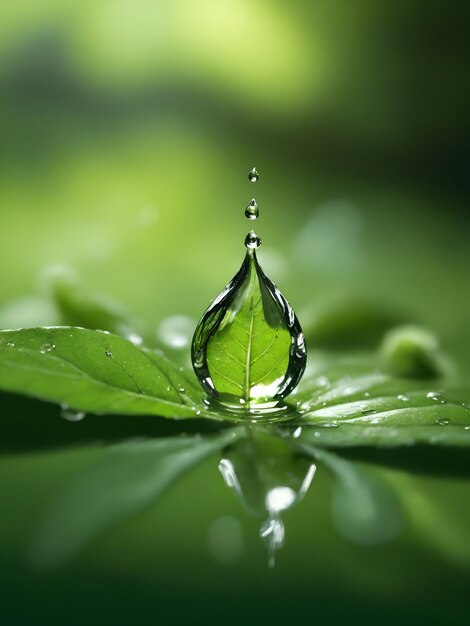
(253,175)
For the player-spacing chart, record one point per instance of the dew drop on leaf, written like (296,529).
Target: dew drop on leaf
(47,347)
(70,415)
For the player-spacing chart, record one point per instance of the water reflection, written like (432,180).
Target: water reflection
(269,477)
(268,468)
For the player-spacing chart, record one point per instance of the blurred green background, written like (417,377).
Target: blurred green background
(128,128)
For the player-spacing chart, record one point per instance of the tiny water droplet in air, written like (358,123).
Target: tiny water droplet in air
(252,241)
(252,211)
(297,432)
(47,347)
(70,415)
(443,422)
(403,398)
(108,353)
(253,175)
(434,395)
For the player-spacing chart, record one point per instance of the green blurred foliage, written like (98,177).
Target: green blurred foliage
(128,128)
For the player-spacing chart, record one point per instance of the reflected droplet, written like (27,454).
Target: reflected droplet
(47,347)
(273,532)
(252,241)
(253,175)
(252,211)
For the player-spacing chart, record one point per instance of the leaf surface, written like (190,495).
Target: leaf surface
(95,372)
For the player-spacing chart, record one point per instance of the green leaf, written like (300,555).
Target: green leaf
(129,478)
(351,402)
(95,372)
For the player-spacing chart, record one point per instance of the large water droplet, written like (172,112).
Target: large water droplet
(252,241)
(248,349)
(253,175)
(252,211)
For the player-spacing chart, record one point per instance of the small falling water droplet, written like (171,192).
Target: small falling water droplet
(70,415)
(253,175)
(252,241)
(109,353)
(47,347)
(252,211)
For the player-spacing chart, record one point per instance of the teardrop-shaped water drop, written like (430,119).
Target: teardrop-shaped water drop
(252,211)
(252,241)
(253,175)
(248,350)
